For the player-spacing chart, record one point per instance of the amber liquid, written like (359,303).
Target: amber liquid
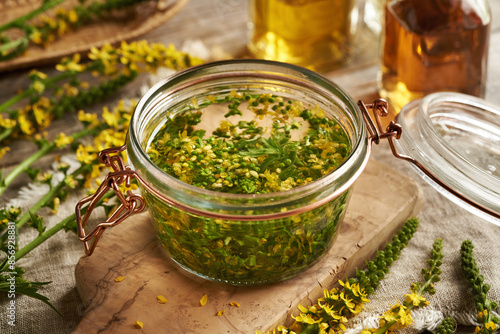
(430,46)
(316,34)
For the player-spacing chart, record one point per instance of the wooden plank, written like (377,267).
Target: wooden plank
(381,201)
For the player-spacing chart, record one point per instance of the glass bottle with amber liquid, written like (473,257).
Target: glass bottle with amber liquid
(317,34)
(433,45)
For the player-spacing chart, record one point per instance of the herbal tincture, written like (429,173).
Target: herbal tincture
(264,143)
(433,46)
(246,143)
(317,34)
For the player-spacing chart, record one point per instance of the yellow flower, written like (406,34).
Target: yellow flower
(119,278)
(26,125)
(70,90)
(63,140)
(221,312)
(491,326)
(107,55)
(85,154)
(36,37)
(69,65)
(111,118)
(35,74)
(203,300)
(161,299)
(399,314)
(306,318)
(88,118)
(42,116)
(138,324)
(72,16)
(3,151)
(38,86)
(56,202)
(62,27)
(416,299)
(71,182)
(46,176)
(7,123)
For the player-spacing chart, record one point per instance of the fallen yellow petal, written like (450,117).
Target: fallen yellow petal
(161,299)
(234,304)
(203,300)
(119,278)
(138,324)
(221,312)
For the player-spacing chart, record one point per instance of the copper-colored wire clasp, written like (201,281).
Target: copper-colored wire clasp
(129,204)
(376,131)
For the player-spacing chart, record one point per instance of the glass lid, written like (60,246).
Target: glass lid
(456,139)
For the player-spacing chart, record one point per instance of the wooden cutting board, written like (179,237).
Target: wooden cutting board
(382,200)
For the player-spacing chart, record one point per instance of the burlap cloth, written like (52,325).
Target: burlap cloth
(55,261)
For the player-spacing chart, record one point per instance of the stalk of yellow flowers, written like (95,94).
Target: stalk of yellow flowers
(333,310)
(488,322)
(108,132)
(399,316)
(40,28)
(51,97)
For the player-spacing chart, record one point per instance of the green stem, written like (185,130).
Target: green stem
(6,133)
(23,166)
(48,83)
(21,21)
(384,329)
(41,203)
(49,233)
(46,199)
(46,149)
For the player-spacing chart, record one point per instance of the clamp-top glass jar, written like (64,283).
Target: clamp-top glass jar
(254,237)
(241,238)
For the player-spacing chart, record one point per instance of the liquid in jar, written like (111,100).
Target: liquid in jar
(317,34)
(430,46)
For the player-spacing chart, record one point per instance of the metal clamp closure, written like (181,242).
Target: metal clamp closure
(130,203)
(392,132)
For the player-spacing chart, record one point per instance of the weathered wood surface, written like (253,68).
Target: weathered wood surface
(381,201)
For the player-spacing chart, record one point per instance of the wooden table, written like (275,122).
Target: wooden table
(221,26)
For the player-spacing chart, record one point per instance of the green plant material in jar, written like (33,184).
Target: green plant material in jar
(263,144)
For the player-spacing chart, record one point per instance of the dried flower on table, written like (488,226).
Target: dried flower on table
(203,300)
(161,299)
(138,324)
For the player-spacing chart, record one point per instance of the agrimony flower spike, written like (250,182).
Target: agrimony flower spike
(399,316)
(488,322)
(376,269)
(332,311)
(447,326)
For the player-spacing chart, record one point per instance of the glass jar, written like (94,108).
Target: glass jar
(245,238)
(432,46)
(317,34)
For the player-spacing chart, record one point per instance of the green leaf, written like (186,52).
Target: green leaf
(32,173)
(36,222)
(24,287)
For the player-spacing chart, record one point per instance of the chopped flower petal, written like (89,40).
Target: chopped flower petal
(203,300)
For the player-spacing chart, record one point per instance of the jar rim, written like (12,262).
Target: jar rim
(259,68)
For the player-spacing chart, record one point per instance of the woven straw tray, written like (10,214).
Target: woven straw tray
(124,25)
